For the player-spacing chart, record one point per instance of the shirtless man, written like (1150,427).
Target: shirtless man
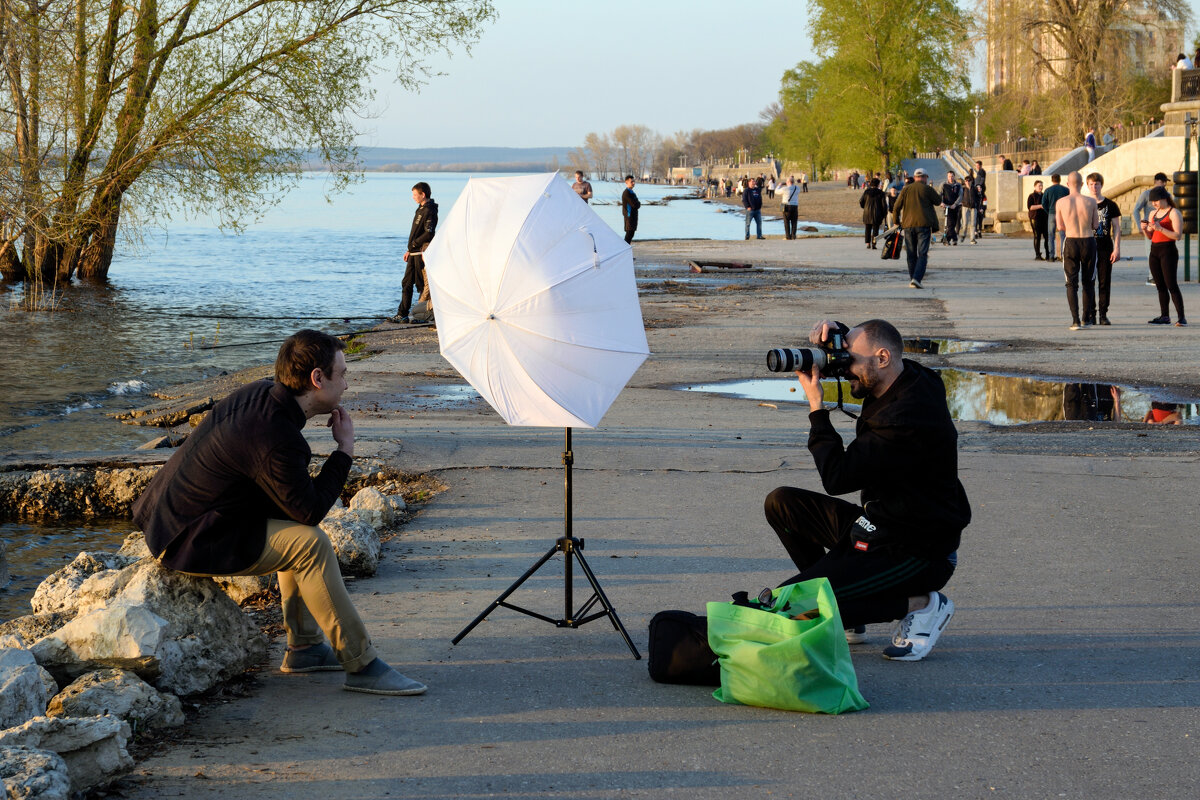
(1076,216)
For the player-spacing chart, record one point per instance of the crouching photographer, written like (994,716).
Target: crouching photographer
(887,558)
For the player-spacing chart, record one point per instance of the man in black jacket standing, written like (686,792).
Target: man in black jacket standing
(237,499)
(419,236)
(629,209)
(752,202)
(887,558)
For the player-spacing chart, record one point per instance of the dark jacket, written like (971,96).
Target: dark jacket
(423,227)
(752,198)
(629,208)
(903,461)
(874,206)
(1052,194)
(916,207)
(206,509)
(951,193)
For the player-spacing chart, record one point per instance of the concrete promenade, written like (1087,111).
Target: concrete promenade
(1071,669)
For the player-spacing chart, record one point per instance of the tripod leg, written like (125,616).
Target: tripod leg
(612,612)
(515,585)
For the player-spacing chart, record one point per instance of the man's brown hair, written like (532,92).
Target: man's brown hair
(301,353)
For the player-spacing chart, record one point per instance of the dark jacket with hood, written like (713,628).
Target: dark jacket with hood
(423,227)
(874,206)
(903,461)
(206,510)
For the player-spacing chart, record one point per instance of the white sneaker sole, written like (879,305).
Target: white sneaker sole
(915,654)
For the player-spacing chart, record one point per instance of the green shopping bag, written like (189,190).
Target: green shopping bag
(769,659)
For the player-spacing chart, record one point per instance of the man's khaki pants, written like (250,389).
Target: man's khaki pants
(312,592)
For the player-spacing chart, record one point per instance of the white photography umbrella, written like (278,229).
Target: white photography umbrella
(537,308)
(535,300)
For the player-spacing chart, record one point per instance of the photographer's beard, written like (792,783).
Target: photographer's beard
(864,380)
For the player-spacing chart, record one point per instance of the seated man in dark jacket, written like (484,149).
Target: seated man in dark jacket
(887,558)
(237,499)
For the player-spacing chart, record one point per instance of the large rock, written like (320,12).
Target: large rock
(29,773)
(183,634)
(373,507)
(355,540)
(116,693)
(93,747)
(60,591)
(66,493)
(22,692)
(32,627)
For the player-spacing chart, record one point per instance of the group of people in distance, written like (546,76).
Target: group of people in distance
(1083,231)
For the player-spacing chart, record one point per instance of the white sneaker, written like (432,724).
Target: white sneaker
(856,635)
(916,634)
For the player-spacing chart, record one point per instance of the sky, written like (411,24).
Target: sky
(545,73)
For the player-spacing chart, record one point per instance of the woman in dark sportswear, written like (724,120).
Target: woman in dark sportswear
(1163,229)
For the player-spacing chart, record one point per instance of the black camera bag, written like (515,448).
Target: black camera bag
(679,651)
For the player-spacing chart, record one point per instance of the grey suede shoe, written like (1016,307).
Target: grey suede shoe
(379,678)
(318,658)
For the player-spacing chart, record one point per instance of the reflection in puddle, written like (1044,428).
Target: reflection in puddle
(944,347)
(440,397)
(998,399)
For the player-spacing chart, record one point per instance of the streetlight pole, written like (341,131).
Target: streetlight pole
(977,111)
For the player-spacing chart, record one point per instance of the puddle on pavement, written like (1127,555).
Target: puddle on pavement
(998,399)
(944,347)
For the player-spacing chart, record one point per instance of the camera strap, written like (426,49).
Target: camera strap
(841,407)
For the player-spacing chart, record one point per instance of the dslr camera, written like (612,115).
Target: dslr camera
(833,359)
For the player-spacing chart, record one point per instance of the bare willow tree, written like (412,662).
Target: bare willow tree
(115,109)
(1084,48)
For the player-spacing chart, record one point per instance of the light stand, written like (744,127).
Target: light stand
(572,549)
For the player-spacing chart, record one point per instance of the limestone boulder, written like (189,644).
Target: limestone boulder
(117,693)
(373,507)
(241,588)
(60,592)
(29,773)
(135,547)
(31,627)
(65,493)
(22,692)
(93,748)
(180,633)
(355,540)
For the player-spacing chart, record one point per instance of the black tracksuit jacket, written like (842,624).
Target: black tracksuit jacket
(904,461)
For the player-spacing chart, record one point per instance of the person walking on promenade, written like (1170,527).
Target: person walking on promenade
(237,499)
(1108,244)
(1050,198)
(424,225)
(1037,220)
(582,187)
(1089,143)
(752,202)
(980,177)
(874,207)
(1076,216)
(1141,213)
(952,195)
(1163,229)
(629,209)
(804,183)
(791,208)
(916,208)
(969,210)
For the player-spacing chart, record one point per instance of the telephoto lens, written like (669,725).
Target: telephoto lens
(790,359)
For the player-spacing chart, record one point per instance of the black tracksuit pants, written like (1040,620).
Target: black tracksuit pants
(1079,264)
(870,587)
(413,276)
(1104,251)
